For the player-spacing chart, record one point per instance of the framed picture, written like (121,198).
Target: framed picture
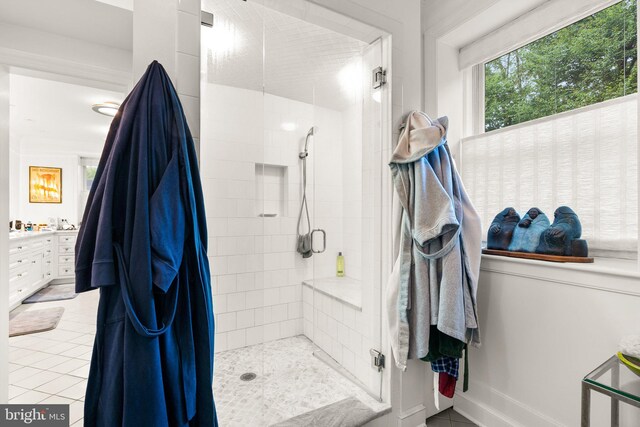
(45,184)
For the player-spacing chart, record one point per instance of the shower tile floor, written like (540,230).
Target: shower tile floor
(290,381)
(53,366)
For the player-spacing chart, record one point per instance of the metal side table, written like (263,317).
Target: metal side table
(615,380)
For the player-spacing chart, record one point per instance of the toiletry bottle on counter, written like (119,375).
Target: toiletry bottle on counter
(340,265)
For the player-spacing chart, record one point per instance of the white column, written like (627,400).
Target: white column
(169,31)
(4,235)
(154,35)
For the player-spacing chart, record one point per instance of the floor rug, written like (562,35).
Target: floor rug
(349,412)
(53,293)
(32,321)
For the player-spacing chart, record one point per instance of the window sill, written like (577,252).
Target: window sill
(605,274)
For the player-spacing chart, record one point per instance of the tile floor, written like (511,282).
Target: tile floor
(449,418)
(290,381)
(52,367)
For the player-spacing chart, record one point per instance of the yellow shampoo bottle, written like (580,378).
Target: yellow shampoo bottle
(340,265)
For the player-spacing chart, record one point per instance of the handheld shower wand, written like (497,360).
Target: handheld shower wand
(305,240)
(305,153)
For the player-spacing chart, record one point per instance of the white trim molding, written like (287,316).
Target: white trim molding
(484,415)
(543,20)
(596,276)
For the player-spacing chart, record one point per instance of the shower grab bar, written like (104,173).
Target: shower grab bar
(324,241)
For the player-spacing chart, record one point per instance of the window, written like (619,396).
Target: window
(573,96)
(590,61)
(88,174)
(88,168)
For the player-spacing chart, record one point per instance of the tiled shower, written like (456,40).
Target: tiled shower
(268,76)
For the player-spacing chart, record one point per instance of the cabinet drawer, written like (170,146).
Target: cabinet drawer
(36,244)
(18,279)
(18,260)
(67,239)
(66,270)
(48,242)
(66,259)
(66,249)
(16,295)
(19,247)
(47,264)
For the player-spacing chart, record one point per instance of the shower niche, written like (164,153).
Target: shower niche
(270,190)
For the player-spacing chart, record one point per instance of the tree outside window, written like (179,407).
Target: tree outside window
(587,62)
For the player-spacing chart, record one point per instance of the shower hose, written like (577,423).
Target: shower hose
(304,240)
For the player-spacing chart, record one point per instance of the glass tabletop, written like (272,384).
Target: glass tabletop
(616,377)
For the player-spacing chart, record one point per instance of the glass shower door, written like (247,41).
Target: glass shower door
(346,218)
(232,164)
(375,104)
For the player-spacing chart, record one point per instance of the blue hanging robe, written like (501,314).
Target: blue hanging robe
(143,243)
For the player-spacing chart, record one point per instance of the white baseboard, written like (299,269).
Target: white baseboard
(504,411)
(481,414)
(413,417)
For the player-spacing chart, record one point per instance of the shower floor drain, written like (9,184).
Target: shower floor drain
(249,376)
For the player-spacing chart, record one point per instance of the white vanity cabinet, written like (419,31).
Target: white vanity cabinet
(27,265)
(66,254)
(37,258)
(48,258)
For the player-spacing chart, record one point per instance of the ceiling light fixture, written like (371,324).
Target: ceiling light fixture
(106,108)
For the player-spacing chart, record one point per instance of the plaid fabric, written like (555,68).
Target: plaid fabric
(448,365)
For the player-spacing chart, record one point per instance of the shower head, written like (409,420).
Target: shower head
(305,153)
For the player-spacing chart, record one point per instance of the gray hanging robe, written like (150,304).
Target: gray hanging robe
(435,275)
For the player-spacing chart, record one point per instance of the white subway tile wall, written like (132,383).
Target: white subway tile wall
(343,332)
(250,166)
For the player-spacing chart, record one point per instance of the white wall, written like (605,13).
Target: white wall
(257,274)
(40,212)
(352,191)
(326,186)
(169,32)
(4,237)
(33,49)
(14,179)
(544,327)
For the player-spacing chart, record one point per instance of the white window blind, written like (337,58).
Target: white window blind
(585,159)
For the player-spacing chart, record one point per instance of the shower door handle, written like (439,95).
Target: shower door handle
(324,241)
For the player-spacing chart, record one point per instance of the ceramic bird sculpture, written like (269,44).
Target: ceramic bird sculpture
(501,229)
(563,236)
(526,235)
